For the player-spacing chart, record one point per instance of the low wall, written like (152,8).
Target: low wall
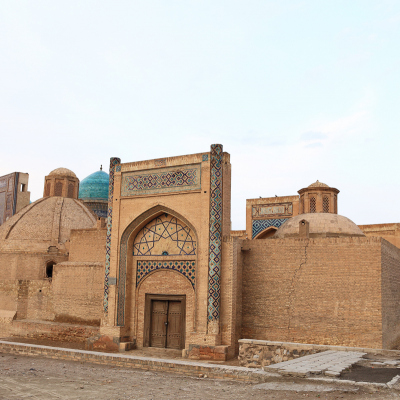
(53,331)
(260,353)
(191,368)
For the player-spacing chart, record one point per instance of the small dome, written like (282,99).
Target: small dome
(318,184)
(63,171)
(94,186)
(320,225)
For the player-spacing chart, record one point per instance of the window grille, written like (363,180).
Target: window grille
(313,205)
(325,204)
(58,189)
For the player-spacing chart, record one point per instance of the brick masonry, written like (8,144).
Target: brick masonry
(325,291)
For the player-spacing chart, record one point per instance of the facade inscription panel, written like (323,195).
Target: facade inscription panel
(161,180)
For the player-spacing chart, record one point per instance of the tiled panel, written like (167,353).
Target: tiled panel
(272,210)
(113,162)
(186,268)
(164,235)
(258,225)
(161,180)
(215,245)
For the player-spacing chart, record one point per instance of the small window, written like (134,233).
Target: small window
(49,269)
(325,204)
(313,205)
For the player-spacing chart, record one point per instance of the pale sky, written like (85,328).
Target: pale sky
(295,91)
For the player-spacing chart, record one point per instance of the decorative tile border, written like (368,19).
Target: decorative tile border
(113,162)
(215,245)
(272,210)
(162,180)
(186,268)
(205,157)
(258,225)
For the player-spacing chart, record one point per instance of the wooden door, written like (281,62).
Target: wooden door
(159,322)
(174,325)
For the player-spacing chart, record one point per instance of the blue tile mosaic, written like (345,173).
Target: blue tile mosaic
(215,245)
(258,225)
(171,179)
(186,268)
(113,162)
(94,186)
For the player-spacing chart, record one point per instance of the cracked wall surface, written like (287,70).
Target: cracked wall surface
(324,291)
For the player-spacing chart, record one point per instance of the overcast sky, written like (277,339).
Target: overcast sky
(294,90)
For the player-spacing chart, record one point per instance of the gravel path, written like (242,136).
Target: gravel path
(24,377)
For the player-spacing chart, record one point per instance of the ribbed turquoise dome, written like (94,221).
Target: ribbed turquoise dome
(94,186)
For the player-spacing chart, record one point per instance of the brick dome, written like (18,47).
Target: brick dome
(63,171)
(44,223)
(320,225)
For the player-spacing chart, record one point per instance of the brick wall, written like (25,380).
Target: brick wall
(390,295)
(78,292)
(88,245)
(323,291)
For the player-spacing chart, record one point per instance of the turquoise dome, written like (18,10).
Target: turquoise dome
(94,186)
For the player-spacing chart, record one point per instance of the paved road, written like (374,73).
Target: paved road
(39,378)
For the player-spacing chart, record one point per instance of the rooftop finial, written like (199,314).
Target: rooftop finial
(101,167)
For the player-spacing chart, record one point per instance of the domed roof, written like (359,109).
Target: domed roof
(317,184)
(62,171)
(320,225)
(46,222)
(94,186)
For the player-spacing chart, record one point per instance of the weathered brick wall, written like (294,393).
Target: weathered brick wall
(390,295)
(323,291)
(78,292)
(88,245)
(231,294)
(40,300)
(8,295)
(389,232)
(26,266)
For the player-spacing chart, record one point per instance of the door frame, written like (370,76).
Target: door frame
(147,314)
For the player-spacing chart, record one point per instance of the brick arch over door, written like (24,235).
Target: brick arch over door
(126,247)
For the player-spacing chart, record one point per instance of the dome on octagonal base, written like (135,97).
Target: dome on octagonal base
(319,225)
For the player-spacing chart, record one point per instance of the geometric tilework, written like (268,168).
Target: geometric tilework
(164,234)
(186,268)
(259,225)
(171,179)
(113,162)
(214,261)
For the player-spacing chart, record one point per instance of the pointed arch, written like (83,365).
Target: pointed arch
(266,233)
(126,244)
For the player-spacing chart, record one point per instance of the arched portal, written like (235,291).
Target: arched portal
(159,244)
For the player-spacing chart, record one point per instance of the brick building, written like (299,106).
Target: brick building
(14,194)
(166,271)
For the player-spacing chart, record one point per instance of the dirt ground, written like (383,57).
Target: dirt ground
(23,377)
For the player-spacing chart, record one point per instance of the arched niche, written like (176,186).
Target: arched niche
(152,257)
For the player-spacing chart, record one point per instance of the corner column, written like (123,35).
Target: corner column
(114,161)
(215,244)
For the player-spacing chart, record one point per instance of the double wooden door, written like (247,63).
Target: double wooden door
(167,323)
